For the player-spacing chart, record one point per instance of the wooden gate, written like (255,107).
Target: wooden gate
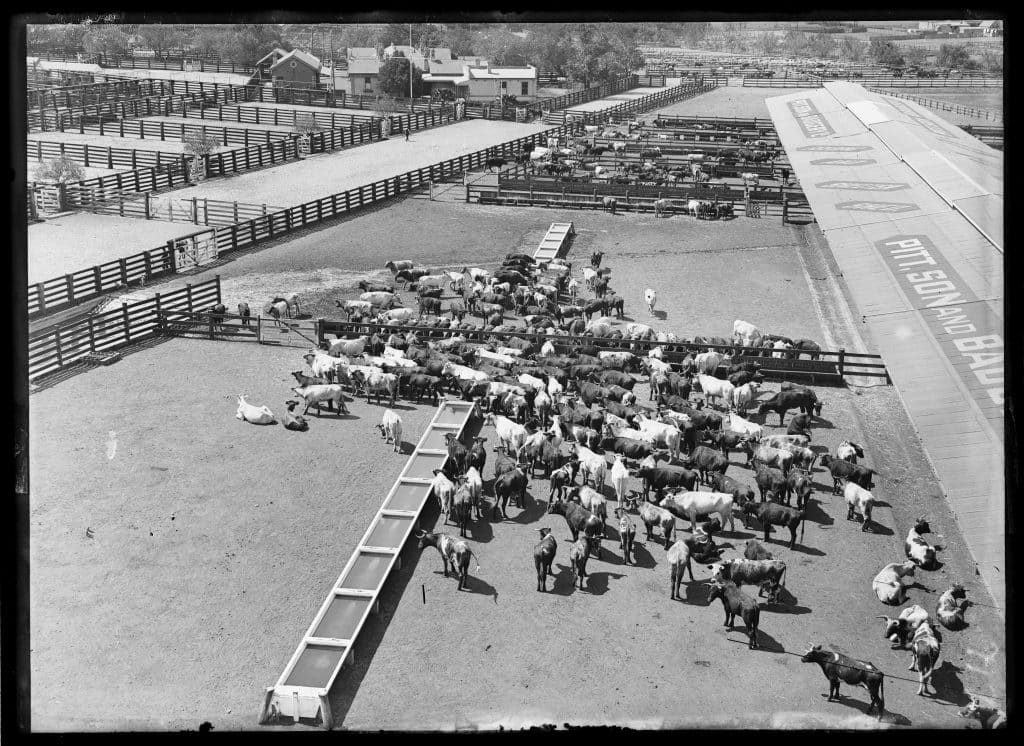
(47,198)
(288,332)
(195,250)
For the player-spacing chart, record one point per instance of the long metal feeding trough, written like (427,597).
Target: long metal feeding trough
(302,690)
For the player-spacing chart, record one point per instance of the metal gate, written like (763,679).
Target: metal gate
(195,250)
(47,199)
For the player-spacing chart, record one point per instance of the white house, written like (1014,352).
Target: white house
(490,83)
(991,28)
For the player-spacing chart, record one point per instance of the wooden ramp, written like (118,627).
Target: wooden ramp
(302,690)
(555,242)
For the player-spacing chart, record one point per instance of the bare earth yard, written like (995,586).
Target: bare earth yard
(215,541)
(70,242)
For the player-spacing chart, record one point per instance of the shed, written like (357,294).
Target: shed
(296,69)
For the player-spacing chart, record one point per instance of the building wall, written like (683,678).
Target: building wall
(300,74)
(491,89)
(357,86)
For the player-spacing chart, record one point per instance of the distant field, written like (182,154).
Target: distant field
(990,99)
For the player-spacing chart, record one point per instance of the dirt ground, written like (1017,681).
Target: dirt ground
(72,241)
(990,99)
(205,77)
(330,173)
(190,624)
(726,101)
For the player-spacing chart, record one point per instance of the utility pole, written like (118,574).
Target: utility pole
(410,67)
(331,55)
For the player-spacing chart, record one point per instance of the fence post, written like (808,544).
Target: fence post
(842,361)
(170,251)
(60,356)
(92,336)
(188,296)
(127,326)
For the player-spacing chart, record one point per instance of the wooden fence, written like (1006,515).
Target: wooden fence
(650,101)
(101,156)
(86,339)
(834,364)
(96,93)
(969,111)
(194,64)
(278,117)
(61,292)
(110,111)
(598,188)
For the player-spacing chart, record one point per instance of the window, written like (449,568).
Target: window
(504,85)
(526,88)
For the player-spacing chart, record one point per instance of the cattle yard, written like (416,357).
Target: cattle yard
(178,553)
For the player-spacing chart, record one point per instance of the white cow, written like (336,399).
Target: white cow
(348,347)
(391,428)
(716,388)
(708,362)
(750,179)
(745,334)
(256,415)
(444,491)
(650,298)
(620,478)
(743,396)
(780,348)
(589,276)
(592,465)
(664,434)
(890,584)
(381,298)
(745,427)
(703,503)
(356,306)
(396,314)
(511,435)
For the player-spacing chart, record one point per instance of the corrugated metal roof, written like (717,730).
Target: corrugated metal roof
(912,210)
(359,66)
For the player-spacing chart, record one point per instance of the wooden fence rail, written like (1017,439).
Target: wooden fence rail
(101,156)
(63,345)
(830,363)
(62,118)
(96,93)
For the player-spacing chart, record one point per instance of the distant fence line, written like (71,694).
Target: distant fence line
(970,111)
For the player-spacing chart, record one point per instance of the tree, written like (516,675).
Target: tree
(885,53)
(851,50)
(394,77)
(61,170)
(915,56)
(768,43)
(953,56)
(795,42)
(200,143)
(161,36)
(248,42)
(693,33)
(821,45)
(597,56)
(991,61)
(384,106)
(108,40)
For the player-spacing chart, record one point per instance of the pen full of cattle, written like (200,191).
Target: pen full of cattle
(569,411)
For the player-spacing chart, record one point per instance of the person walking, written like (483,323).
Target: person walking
(407,134)
(785,176)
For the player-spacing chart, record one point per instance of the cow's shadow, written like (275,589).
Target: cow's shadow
(597,582)
(696,591)
(479,586)
(534,510)
(564,583)
(660,315)
(948,686)
(786,604)
(813,512)
(641,557)
(480,529)
(861,705)
(821,422)
(877,528)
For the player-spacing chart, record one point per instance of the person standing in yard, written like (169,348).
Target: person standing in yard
(785,176)
(407,134)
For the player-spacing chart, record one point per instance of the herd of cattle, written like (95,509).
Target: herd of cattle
(578,158)
(567,414)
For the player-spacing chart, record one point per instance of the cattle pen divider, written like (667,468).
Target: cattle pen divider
(831,366)
(303,688)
